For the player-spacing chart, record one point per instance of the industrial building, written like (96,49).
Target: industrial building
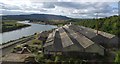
(105,39)
(67,41)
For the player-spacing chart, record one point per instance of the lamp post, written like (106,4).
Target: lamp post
(97,22)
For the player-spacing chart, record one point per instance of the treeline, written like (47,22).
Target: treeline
(107,24)
(12,25)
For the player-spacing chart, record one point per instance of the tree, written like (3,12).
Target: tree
(108,24)
(117,59)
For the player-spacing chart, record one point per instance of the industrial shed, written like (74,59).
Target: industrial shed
(105,39)
(66,41)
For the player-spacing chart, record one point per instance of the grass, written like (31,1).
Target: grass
(10,25)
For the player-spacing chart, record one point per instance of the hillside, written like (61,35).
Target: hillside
(108,24)
(35,17)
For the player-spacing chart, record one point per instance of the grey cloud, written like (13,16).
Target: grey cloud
(43,10)
(48,5)
(8,12)
(9,7)
(68,4)
(64,4)
(103,8)
(74,5)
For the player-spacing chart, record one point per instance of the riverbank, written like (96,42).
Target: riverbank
(16,34)
(23,39)
(6,43)
(7,48)
(34,46)
(10,25)
(51,22)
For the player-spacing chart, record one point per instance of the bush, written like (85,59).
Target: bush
(18,48)
(117,59)
(49,62)
(37,42)
(40,58)
(57,58)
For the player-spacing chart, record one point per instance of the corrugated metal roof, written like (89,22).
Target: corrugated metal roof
(100,32)
(66,41)
(106,34)
(57,42)
(48,44)
(83,41)
(83,31)
(50,39)
(63,37)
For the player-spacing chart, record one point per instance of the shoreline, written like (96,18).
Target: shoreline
(44,23)
(24,37)
(6,48)
(13,40)
(17,39)
(16,28)
(9,43)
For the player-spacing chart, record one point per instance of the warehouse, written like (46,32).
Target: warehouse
(105,39)
(66,41)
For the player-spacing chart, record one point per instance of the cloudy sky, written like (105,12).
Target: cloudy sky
(69,8)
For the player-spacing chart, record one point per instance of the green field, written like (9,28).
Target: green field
(10,25)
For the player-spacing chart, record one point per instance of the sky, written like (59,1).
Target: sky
(69,8)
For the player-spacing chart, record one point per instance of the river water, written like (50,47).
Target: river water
(16,34)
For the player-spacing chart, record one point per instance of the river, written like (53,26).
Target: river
(16,34)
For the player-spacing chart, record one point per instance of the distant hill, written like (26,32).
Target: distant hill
(34,17)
